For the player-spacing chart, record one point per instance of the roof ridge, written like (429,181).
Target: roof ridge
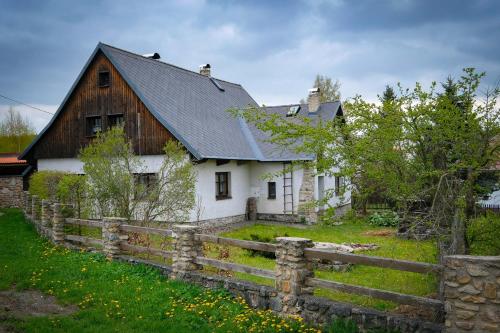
(167,64)
(294,104)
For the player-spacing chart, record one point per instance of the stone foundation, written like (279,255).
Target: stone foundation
(287,218)
(11,191)
(472,292)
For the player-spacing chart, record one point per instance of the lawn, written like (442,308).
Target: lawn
(354,232)
(113,296)
(389,247)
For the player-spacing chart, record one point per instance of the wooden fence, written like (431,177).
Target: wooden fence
(294,256)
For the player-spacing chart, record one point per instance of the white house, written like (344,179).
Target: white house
(157,101)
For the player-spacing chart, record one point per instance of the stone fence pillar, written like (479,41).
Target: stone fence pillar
(45,219)
(57,224)
(186,249)
(292,270)
(472,294)
(111,236)
(27,203)
(35,206)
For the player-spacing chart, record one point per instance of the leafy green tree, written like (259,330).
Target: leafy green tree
(109,163)
(172,196)
(329,90)
(404,147)
(72,189)
(113,185)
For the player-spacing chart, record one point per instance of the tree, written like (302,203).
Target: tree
(404,147)
(172,196)
(113,184)
(109,163)
(17,129)
(329,91)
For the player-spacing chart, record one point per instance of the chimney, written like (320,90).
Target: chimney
(313,99)
(205,69)
(154,56)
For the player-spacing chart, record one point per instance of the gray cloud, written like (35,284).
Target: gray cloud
(273,48)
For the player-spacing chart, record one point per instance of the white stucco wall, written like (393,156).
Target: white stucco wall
(259,187)
(246,181)
(205,190)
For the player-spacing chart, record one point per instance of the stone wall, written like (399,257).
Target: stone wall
(306,208)
(287,218)
(315,310)
(11,191)
(472,292)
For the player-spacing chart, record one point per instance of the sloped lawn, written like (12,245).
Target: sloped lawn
(380,278)
(112,296)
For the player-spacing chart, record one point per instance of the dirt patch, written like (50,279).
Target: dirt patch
(381,233)
(22,304)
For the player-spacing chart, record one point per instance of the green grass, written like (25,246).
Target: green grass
(390,247)
(117,297)
(373,277)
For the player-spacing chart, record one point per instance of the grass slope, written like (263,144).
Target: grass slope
(117,297)
(380,278)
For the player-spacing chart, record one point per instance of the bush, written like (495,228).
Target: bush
(72,189)
(483,235)
(384,219)
(44,184)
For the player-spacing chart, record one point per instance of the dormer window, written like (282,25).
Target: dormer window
(104,79)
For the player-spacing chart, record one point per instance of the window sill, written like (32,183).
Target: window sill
(222,198)
(268,198)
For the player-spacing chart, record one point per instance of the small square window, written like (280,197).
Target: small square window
(222,185)
(104,79)
(115,120)
(93,125)
(271,190)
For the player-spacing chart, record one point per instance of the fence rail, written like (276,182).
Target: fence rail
(229,266)
(293,273)
(402,265)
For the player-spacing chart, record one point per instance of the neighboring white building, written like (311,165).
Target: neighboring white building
(157,101)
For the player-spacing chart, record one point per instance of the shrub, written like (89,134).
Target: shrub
(483,235)
(44,184)
(72,189)
(384,219)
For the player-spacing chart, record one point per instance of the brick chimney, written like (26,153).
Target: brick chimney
(313,99)
(205,69)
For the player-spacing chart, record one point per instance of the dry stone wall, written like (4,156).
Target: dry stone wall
(472,292)
(11,191)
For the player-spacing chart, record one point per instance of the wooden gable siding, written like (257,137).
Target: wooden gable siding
(67,135)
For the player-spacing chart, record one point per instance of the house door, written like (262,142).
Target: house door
(321,190)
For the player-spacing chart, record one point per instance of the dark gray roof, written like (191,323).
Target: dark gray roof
(193,107)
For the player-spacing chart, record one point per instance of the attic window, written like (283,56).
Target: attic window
(293,110)
(104,79)
(115,120)
(93,125)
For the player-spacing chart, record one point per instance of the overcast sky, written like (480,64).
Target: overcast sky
(273,48)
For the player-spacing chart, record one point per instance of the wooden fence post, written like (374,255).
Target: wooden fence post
(57,224)
(292,270)
(35,205)
(111,236)
(186,249)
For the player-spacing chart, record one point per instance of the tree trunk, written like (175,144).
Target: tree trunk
(458,243)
